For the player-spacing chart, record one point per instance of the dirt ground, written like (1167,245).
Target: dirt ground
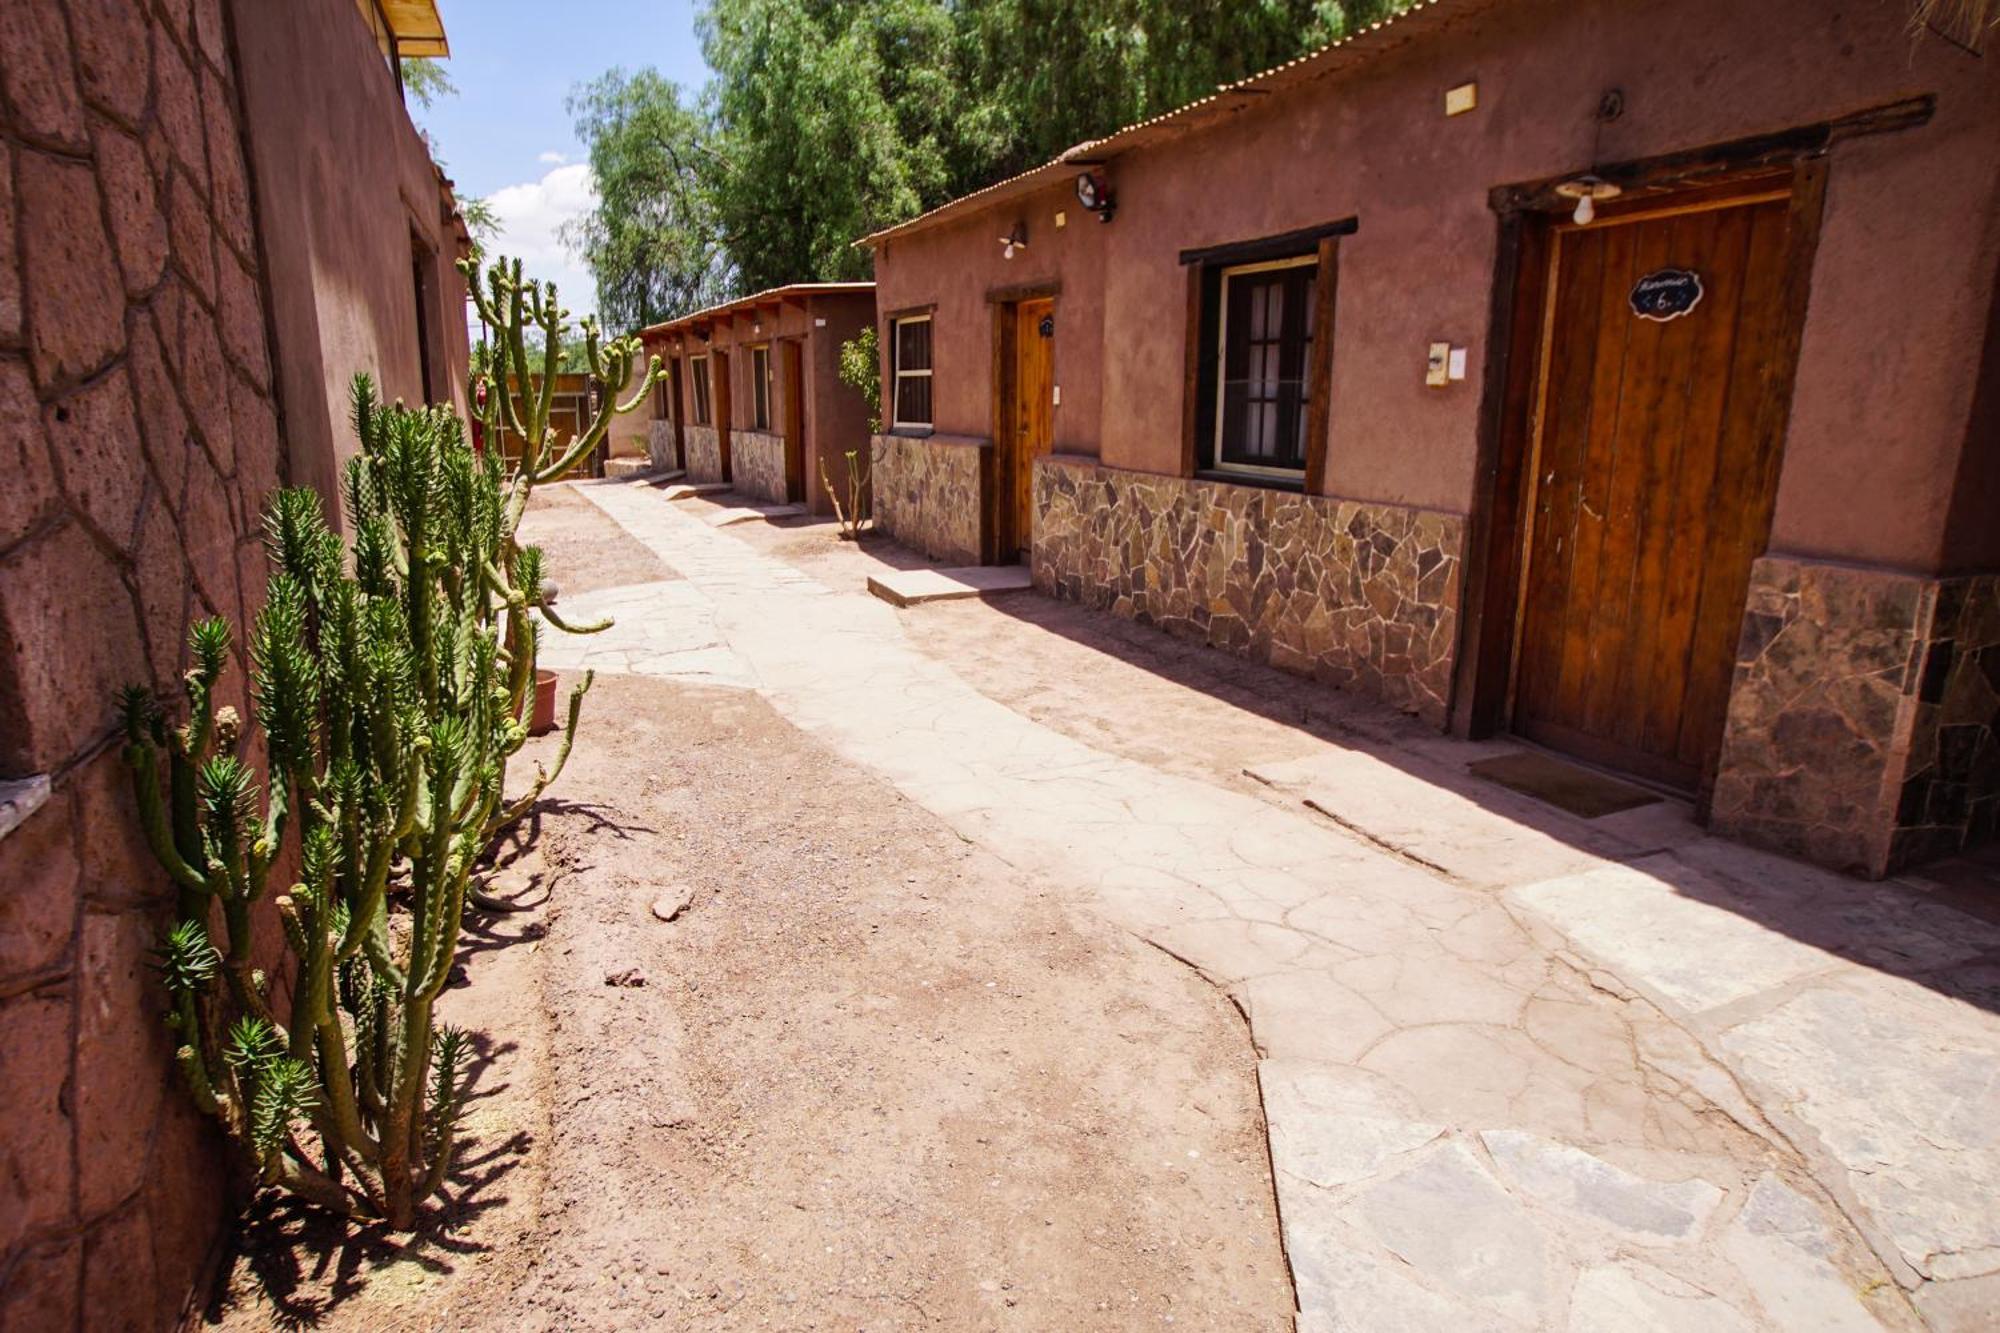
(868,1077)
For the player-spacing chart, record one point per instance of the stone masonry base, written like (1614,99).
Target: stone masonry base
(704,454)
(1864,720)
(1363,596)
(757,465)
(929,493)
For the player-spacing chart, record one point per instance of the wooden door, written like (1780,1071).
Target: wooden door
(1653,468)
(792,370)
(720,405)
(1033,414)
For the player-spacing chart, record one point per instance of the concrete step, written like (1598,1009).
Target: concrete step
(687,490)
(914,587)
(754,514)
(623,468)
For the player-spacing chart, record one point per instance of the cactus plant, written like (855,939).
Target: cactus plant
(388,683)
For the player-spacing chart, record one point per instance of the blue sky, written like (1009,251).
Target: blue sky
(507,135)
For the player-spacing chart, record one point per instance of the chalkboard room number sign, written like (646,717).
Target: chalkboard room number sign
(1666,294)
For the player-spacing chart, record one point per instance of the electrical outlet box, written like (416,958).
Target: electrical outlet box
(1459,100)
(1457,369)
(1437,366)
(1062,219)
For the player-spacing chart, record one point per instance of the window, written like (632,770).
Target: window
(698,378)
(1262,367)
(760,387)
(910,364)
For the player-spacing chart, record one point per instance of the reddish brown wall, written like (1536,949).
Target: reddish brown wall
(344,181)
(835,415)
(140,441)
(1901,289)
(139,438)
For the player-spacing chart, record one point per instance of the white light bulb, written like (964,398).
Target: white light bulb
(1586,209)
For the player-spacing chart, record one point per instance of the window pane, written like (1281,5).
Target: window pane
(913,400)
(1267,324)
(913,344)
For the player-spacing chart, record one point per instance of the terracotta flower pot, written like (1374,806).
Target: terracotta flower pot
(542,720)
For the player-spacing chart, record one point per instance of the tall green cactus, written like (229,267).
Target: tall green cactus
(389,684)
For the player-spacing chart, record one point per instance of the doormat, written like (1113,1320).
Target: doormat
(1583,792)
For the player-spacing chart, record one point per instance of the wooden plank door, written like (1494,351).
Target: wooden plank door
(1033,414)
(1654,467)
(792,368)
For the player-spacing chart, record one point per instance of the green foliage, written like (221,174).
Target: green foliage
(388,682)
(654,240)
(861,368)
(827,119)
(425,80)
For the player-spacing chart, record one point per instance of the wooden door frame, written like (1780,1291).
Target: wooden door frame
(999,543)
(1490,663)
(1496,528)
(792,359)
(722,404)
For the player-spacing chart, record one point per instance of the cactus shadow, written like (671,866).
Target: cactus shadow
(305,1263)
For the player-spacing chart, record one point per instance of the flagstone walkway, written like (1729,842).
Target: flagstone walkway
(1520,1071)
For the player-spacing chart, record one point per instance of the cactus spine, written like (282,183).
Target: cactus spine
(388,684)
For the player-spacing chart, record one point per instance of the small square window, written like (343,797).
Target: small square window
(910,362)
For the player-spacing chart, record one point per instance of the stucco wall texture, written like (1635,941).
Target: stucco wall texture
(139,436)
(1902,289)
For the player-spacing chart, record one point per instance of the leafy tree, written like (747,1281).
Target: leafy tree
(424,81)
(808,151)
(654,241)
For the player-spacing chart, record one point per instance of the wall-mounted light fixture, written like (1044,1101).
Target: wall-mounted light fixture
(1587,190)
(1094,193)
(1016,239)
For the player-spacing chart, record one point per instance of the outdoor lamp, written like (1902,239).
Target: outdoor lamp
(1094,193)
(1587,189)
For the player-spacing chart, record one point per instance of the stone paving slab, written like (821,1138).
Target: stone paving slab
(1492,1104)
(664,629)
(914,587)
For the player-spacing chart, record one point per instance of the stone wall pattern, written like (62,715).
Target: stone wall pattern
(1362,596)
(660,450)
(929,494)
(1863,729)
(704,454)
(139,441)
(757,464)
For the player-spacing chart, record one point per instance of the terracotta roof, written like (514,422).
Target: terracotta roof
(769,296)
(1421,20)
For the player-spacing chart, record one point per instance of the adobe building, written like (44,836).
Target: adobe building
(211,216)
(753,395)
(1334,369)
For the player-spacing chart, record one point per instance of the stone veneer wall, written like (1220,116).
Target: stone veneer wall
(757,464)
(139,440)
(928,493)
(1864,719)
(660,451)
(704,453)
(1363,596)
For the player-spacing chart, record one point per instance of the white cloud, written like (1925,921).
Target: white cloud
(531,216)
(552,156)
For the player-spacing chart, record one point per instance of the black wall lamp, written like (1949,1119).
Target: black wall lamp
(1094,193)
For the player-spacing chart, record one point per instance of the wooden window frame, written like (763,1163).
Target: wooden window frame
(703,392)
(1201,417)
(897,374)
(760,386)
